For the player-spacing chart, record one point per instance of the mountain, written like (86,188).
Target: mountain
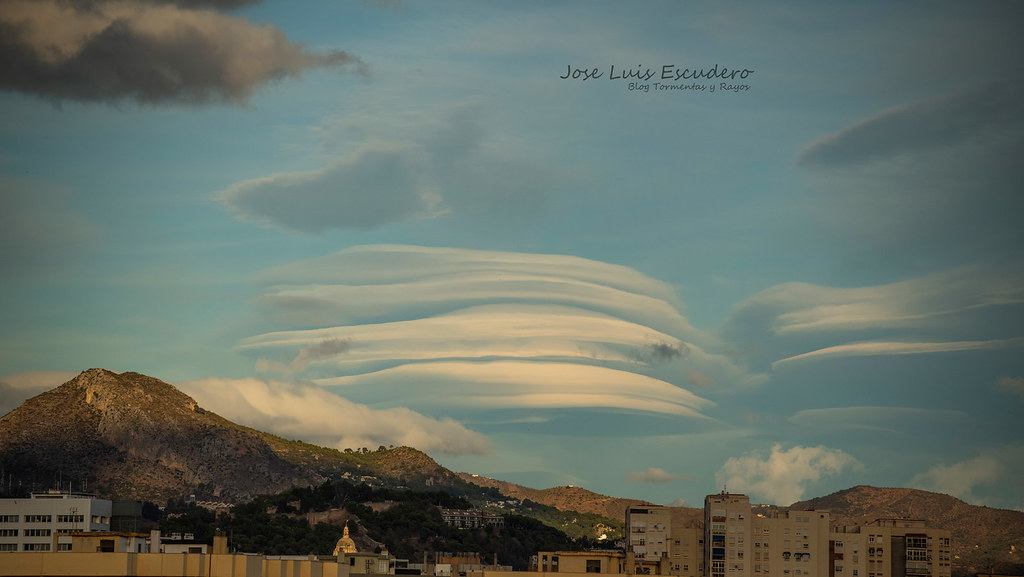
(133,436)
(983,539)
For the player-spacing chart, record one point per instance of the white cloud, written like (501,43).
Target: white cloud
(782,477)
(457,329)
(929,301)
(521,385)
(365,282)
(896,348)
(959,479)
(973,308)
(298,411)
(487,331)
(654,475)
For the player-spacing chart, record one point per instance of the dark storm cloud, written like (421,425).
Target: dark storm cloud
(921,126)
(150,53)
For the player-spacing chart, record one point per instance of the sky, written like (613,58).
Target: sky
(652,249)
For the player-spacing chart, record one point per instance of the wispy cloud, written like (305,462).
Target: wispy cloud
(408,167)
(115,50)
(301,411)
(955,310)
(782,476)
(897,348)
(921,302)
(890,419)
(920,126)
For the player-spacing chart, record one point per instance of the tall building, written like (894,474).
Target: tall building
(44,521)
(649,528)
(740,540)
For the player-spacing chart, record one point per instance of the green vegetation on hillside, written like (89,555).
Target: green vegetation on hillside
(409,525)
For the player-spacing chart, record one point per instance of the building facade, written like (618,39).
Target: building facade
(737,539)
(891,548)
(45,521)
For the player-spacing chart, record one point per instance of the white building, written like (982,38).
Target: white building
(44,521)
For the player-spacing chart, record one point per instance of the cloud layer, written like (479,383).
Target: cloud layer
(152,53)
(967,309)
(443,329)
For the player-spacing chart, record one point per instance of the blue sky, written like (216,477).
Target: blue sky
(364,224)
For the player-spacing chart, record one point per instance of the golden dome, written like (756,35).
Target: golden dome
(345,544)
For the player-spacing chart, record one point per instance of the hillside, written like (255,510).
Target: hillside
(982,537)
(133,436)
(566,498)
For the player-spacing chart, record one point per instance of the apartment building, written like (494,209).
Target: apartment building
(890,548)
(45,521)
(738,539)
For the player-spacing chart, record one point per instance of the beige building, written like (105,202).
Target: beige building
(737,539)
(604,562)
(890,548)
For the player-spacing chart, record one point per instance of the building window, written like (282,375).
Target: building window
(8,547)
(37,532)
(106,546)
(38,518)
(63,546)
(8,518)
(36,547)
(8,532)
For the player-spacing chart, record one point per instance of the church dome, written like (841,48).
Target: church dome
(345,544)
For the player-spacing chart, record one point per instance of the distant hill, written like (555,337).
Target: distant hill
(133,436)
(565,498)
(986,540)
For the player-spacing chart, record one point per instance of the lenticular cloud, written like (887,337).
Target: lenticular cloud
(438,327)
